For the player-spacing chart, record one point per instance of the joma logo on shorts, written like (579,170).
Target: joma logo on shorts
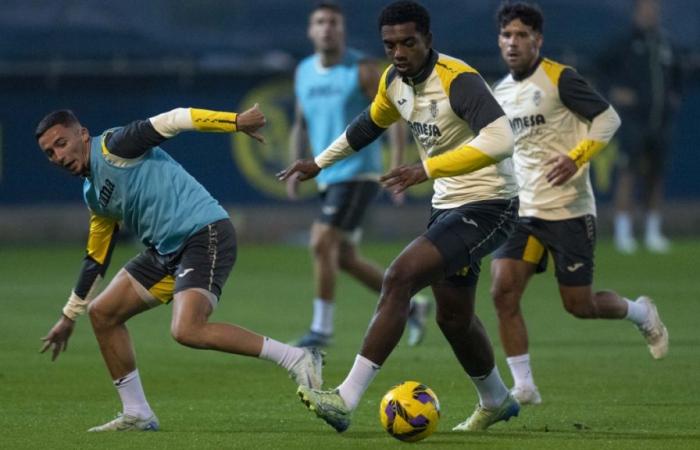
(106,193)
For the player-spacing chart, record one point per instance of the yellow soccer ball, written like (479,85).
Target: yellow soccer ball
(410,411)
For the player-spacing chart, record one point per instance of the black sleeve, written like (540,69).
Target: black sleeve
(362,131)
(133,140)
(577,95)
(91,269)
(471,100)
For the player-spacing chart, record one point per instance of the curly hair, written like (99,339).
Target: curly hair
(404,11)
(529,13)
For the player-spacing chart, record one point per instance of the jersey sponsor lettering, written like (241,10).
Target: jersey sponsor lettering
(106,193)
(424,129)
(518,124)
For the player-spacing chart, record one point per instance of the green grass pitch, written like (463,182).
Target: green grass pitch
(601,388)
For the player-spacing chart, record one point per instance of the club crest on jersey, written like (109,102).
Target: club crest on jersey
(537,98)
(434,109)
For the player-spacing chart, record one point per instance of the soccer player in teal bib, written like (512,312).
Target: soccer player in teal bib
(190,244)
(332,86)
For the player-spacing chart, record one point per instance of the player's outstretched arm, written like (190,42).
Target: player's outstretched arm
(100,245)
(171,123)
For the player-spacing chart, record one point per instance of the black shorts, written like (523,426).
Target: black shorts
(343,205)
(571,242)
(465,234)
(204,261)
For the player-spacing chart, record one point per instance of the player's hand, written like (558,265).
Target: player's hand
(293,187)
(57,339)
(401,178)
(304,169)
(250,121)
(563,168)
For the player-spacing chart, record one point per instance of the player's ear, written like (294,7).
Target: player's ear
(84,134)
(429,39)
(539,40)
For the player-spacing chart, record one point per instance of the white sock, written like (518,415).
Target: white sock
(491,389)
(282,354)
(357,381)
(322,321)
(653,223)
(521,371)
(623,225)
(131,393)
(636,312)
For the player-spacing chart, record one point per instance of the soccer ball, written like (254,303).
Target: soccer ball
(410,411)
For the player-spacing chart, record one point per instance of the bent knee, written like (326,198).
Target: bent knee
(347,259)
(506,298)
(100,316)
(186,335)
(397,277)
(453,321)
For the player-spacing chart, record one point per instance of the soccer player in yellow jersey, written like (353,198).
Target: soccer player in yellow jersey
(559,123)
(465,143)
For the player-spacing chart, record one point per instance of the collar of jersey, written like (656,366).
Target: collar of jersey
(530,71)
(425,71)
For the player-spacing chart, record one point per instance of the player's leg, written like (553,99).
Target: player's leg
(418,265)
(455,239)
(514,263)
(356,199)
(455,299)
(362,269)
(629,152)
(339,201)
(371,275)
(108,313)
(654,239)
(509,279)
(203,266)
(572,243)
(324,245)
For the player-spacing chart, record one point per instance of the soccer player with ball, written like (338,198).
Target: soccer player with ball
(191,248)
(465,143)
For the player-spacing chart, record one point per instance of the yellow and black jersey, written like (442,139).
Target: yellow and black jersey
(551,109)
(446,106)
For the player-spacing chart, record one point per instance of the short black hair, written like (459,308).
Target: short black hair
(529,13)
(404,11)
(331,6)
(64,117)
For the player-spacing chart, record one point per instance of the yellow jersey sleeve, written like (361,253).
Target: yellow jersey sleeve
(382,111)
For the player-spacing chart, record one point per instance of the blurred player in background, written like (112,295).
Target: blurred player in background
(643,72)
(465,143)
(559,123)
(332,86)
(190,240)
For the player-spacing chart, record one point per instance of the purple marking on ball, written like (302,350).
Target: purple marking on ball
(390,411)
(419,421)
(424,397)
